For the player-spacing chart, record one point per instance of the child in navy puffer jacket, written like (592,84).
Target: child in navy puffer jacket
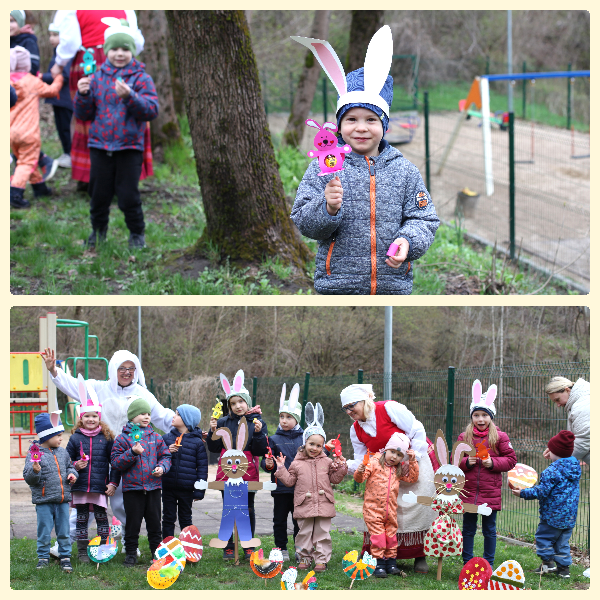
(189,463)
(119,99)
(90,447)
(558,496)
(143,458)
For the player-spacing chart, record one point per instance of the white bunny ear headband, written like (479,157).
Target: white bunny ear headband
(377,67)
(483,402)
(314,421)
(237,389)
(87,405)
(291,406)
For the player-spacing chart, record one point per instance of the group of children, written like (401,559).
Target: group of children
(89,470)
(118,100)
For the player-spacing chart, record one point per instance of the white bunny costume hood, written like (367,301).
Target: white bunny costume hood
(118,358)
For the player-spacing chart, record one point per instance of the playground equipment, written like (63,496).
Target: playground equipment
(479,95)
(402,127)
(29,375)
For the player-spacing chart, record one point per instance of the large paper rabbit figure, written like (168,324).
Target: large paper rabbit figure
(444,537)
(331,157)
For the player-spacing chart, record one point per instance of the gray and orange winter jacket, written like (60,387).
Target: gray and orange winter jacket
(50,484)
(384,199)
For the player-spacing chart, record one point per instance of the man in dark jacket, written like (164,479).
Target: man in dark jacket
(189,463)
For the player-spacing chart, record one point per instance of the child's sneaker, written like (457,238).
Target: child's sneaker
(42,563)
(48,167)
(380,569)
(547,566)
(286,555)
(391,568)
(65,565)
(41,190)
(96,236)
(248,553)
(137,240)
(320,567)
(130,560)
(228,554)
(297,557)
(563,571)
(64,161)
(304,564)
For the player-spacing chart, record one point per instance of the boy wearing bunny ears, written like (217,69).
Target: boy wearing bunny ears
(379,197)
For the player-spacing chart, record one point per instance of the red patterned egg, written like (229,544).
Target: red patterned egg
(475,575)
(191,540)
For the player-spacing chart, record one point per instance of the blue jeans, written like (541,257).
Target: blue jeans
(488,528)
(49,515)
(553,544)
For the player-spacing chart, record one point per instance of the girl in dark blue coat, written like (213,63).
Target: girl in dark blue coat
(189,463)
(89,447)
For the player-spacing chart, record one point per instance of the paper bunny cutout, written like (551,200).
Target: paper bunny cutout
(331,157)
(485,402)
(88,64)
(292,406)
(377,67)
(314,421)
(55,418)
(92,404)
(238,383)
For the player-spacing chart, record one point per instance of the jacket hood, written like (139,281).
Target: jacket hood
(291,433)
(196,432)
(387,153)
(23,35)
(118,358)
(580,390)
(569,468)
(135,66)
(302,456)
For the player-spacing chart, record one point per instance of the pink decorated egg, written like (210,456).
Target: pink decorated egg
(475,575)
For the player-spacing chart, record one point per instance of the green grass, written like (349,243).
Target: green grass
(213,573)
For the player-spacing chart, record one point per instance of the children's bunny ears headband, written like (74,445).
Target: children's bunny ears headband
(377,66)
(291,406)
(90,404)
(483,402)
(237,389)
(314,421)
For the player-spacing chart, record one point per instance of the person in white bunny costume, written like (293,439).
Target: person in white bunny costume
(125,383)
(375,216)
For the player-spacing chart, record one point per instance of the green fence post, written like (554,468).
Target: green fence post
(487,65)
(426,116)
(360,376)
(524,90)
(450,407)
(324,99)
(304,399)
(569,99)
(511,181)
(254,388)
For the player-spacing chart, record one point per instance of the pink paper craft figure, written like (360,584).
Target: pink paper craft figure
(36,453)
(331,157)
(84,456)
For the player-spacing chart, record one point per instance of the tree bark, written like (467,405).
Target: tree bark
(294,130)
(153,24)
(247,217)
(365,24)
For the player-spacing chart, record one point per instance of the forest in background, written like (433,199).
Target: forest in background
(183,342)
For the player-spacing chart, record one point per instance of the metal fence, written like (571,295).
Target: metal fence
(440,399)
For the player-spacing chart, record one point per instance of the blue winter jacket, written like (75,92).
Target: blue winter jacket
(118,123)
(13,96)
(557,493)
(97,474)
(286,443)
(50,485)
(353,244)
(29,42)
(189,464)
(136,469)
(64,99)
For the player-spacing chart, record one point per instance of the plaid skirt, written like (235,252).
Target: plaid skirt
(80,153)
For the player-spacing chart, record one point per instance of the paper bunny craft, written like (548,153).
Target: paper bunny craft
(234,464)
(444,537)
(314,421)
(88,64)
(291,406)
(88,399)
(485,401)
(331,157)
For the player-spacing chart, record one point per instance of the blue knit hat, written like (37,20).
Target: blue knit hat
(48,425)
(190,415)
(355,81)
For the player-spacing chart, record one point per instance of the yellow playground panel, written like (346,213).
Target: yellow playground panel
(26,372)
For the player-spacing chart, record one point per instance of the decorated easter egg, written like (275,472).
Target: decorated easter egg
(330,160)
(191,541)
(101,553)
(508,576)
(522,477)
(162,574)
(475,575)
(116,527)
(172,551)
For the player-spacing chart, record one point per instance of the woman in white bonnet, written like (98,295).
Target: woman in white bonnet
(374,424)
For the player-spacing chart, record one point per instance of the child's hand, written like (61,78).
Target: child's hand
(83,85)
(330,445)
(137,448)
(122,89)
(516,491)
(487,462)
(269,463)
(158,471)
(110,490)
(71,478)
(50,360)
(401,254)
(411,455)
(204,435)
(213,425)
(333,196)
(56,70)
(173,448)
(257,425)
(81,464)
(339,459)
(36,467)
(362,468)
(280,460)
(471,460)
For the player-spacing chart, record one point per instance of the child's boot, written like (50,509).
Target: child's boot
(130,560)
(391,568)
(41,189)
(547,566)
(380,569)
(65,565)
(82,554)
(137,240)
(563,571)
(16,198)
(421,565)
(98,235)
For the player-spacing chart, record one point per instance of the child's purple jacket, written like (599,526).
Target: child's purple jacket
(118,123)
(136,469)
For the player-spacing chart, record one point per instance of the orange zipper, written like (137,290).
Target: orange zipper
(328,261)
(43,490)
(373,236)
(62,489)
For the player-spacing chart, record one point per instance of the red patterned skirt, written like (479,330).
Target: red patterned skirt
(80,153)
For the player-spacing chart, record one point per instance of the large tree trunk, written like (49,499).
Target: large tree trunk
(153,24)
(364,25)
(247,217)
(307,85)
